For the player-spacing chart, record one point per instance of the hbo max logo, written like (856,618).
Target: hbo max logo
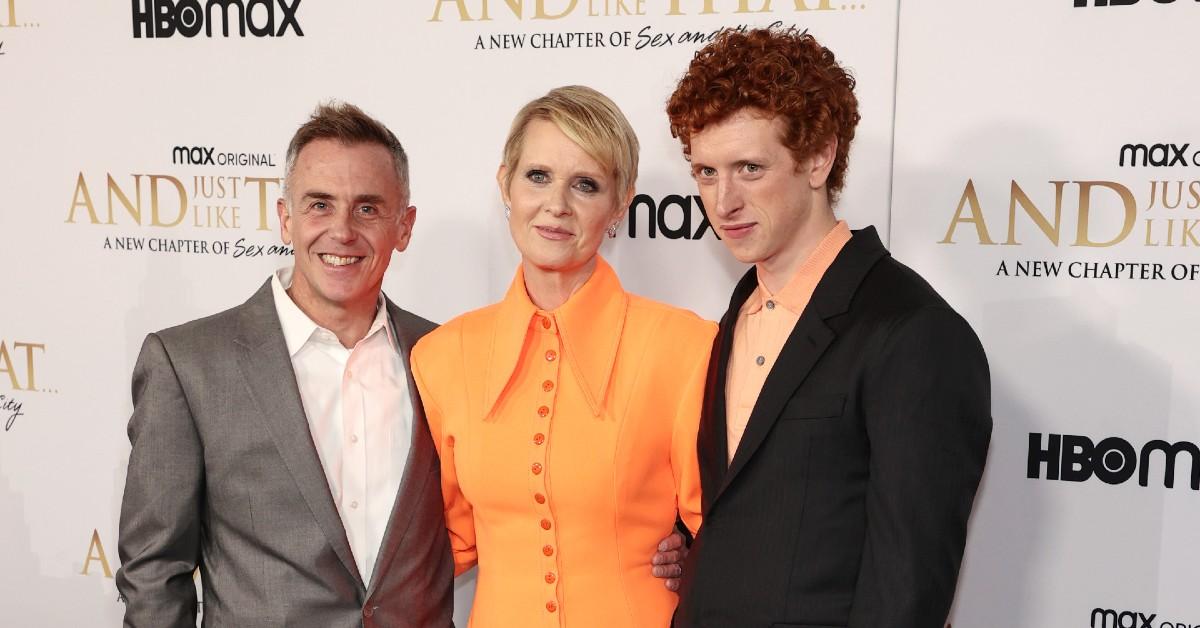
(1113,460)
(261,18)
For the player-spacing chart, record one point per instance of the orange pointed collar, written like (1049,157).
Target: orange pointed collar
(590,323)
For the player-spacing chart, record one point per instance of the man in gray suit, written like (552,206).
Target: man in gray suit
(280,446)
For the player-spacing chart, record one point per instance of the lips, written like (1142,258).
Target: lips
(339,260)
(738,230)
(553,233)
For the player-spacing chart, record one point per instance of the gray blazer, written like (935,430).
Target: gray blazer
(224,475)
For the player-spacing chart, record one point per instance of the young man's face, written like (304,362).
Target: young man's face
(757,197)
(348,215)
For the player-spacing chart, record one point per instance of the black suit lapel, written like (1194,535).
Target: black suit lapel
(805,345)
(712,441)
(422,459)
(809,340)
(267,370)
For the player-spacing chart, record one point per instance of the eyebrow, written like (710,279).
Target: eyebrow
(374,199)
(585,173)
(758,160)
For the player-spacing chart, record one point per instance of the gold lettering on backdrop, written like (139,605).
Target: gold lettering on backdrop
(95,553)
(708,8)
(1017,196)
(262,199)
(1082,234)
(156,208)
(6,363)
(12,13)
(969,198)
(801,5)
(134,211)
(82,198)
(463,16)
(541,13)
(516,6)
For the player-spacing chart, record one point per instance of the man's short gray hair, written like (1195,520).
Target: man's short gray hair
(350,125)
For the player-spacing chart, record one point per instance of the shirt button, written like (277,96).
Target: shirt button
(551,606)
(551,355)
(760,360)
(770,305)
(548,551)
(547,385)
(543,411)
(536,468)
(545,524)
(450,440)
(354,438)
(539,438)
(539,498)
(550,577)
(354,504)
(545,322)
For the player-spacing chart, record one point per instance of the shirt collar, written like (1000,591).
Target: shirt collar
(298,328)
(795,295)
(590,323)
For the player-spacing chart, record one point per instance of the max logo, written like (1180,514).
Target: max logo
(1156,155)
(193,155)
(673,216)
(1108,618)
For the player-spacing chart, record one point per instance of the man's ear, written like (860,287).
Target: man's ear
(406,228)
(285,217)
(821,163)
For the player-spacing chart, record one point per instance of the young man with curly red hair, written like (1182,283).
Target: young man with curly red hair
(847,417)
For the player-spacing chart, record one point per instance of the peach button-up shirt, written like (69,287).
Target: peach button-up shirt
(763,326)
(568,445)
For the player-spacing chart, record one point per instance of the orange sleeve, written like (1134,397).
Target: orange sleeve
(685,466)
(460,521)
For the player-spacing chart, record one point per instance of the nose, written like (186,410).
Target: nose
(557,201)
(729,197)
(341,226)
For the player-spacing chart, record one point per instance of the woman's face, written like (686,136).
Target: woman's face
(562,200)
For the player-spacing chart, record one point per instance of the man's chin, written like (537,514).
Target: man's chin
(744,256)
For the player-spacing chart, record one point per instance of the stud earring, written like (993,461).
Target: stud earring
(507,212)
(612,230)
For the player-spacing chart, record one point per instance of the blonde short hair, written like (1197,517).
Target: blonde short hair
(588,118)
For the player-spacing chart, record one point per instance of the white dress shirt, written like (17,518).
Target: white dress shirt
(360,415)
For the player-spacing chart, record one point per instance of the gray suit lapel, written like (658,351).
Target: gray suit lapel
(266,368)
(422,457)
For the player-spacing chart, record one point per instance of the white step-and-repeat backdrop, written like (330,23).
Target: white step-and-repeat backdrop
(1031,158)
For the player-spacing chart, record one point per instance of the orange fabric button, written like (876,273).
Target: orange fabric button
(547,550)
(538,439)
(543,411)
(551,606)
(536,468)
(539,498)
(550,577)
(551,355)
(545,524)
(547,385)
(545,322)
(450,440)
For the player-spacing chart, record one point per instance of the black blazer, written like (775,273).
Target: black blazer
(846,503)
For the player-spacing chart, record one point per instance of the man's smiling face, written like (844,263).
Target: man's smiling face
(348,212)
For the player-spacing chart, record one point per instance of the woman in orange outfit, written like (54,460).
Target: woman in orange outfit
(566,414)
